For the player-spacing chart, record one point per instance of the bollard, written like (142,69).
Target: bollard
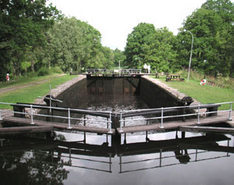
(31,114)
(161,126)
(230,113)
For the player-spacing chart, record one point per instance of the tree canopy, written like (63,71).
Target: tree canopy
(212,27)
(34,35)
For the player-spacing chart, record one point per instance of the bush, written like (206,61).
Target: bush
(57,70)
(43,72)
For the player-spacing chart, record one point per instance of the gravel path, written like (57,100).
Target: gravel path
(17,87)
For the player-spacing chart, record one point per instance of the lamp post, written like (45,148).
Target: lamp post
(191,53)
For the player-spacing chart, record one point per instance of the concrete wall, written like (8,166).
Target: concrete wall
(155,96)
(75,96)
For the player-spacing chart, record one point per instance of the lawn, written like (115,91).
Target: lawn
(29,94)
(203,94)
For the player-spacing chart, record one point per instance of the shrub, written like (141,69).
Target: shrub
(57,70)
(43,72)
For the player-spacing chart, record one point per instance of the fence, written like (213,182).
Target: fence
(196,111)
(32,113)
(144,115)
(118,71)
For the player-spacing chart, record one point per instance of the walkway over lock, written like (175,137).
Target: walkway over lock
(155,119)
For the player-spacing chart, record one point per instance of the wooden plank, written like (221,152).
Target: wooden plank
(25,129)
(173,125)
(59,126)
(207,129)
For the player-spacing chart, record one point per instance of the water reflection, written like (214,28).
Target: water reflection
(49,162)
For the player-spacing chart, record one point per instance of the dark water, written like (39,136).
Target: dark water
(165,159)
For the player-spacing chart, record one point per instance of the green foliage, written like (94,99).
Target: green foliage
(34,37)
(22,28)
(148,45)
(43,72)
(213,31)
(118,57)
(136,42)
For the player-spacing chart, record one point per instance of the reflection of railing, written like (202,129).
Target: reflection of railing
(132,157)
(73,161)
(70,113)
(160,159)
(164,111)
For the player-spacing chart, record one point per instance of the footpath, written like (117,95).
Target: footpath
(25,85)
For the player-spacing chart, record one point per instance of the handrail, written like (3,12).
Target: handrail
(162,110)
(120,71)
(126,113)
(105,114)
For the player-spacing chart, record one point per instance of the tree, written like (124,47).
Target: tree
(118,57)
(159,53)
(212,28)
(150,46)
(136,42)
(22,25)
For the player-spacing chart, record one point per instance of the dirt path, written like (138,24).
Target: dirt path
(17,87)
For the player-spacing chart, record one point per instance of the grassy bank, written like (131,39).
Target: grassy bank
(204,94)
(29,94)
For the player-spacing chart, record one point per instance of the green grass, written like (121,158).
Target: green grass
(203,94)
(29,94)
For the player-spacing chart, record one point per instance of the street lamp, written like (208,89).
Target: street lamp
(191,53)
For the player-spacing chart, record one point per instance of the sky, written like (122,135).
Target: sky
(115,19)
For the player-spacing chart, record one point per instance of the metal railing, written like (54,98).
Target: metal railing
(163,110)
(130,71)
(159,114)
(118,71)
(32,113)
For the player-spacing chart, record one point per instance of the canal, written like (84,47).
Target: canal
(162,158)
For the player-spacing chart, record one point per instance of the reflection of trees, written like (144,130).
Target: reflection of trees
(35,167)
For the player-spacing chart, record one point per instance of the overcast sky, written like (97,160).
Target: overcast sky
(115,19)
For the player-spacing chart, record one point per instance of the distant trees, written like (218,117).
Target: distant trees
(212,26)
(22,27)
(35,36)
(147,45)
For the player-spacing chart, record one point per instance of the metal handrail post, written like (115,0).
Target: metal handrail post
(110,131)
(230,113)
(85,126)
(161,126)
(69,118)
(198,114)
(121,121)
(31,114)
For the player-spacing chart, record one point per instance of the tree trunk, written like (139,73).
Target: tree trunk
(32,66)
